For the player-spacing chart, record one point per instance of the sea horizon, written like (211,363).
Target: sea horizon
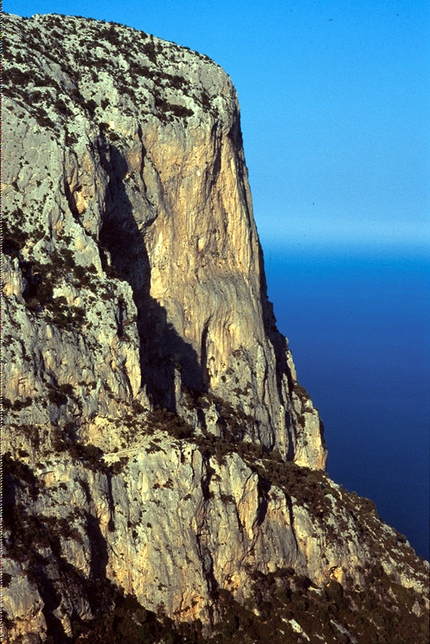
(357,318)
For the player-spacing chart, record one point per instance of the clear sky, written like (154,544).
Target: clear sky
(335,101)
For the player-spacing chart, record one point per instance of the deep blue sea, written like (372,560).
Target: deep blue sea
(359,329)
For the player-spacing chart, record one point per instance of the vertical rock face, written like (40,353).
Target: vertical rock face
(129,153)
(158,442)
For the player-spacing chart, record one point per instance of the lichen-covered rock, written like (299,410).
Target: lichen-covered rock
(126,158)
(158,447)
(172,525)
(22,600)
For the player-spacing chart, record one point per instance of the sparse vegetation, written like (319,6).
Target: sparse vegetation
(164,420)
(383,613)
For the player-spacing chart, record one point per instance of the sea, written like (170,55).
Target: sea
(358,324)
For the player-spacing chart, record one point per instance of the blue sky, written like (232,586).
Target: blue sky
(335,99)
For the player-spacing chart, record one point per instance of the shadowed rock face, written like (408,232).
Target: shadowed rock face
(156,429)
(133,145)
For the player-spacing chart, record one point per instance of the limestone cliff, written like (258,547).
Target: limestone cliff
(158,444)
(124,152)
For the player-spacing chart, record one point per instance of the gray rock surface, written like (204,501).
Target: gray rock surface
(153,417)
(128,154)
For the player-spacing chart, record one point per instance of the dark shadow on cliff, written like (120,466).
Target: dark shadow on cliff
(264,487)
(26,534)
(280,346)
(161,347)
(278,341)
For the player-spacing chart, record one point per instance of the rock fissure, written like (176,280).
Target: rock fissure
(162,463)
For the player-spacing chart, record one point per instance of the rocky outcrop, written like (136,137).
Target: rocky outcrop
(158,444)
(128,156)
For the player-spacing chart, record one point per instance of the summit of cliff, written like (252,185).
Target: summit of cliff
(164,469)
(144,174)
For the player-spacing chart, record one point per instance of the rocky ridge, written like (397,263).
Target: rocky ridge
(159,447)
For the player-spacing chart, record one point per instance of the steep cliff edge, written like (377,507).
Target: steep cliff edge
(124,151)
(159,445)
